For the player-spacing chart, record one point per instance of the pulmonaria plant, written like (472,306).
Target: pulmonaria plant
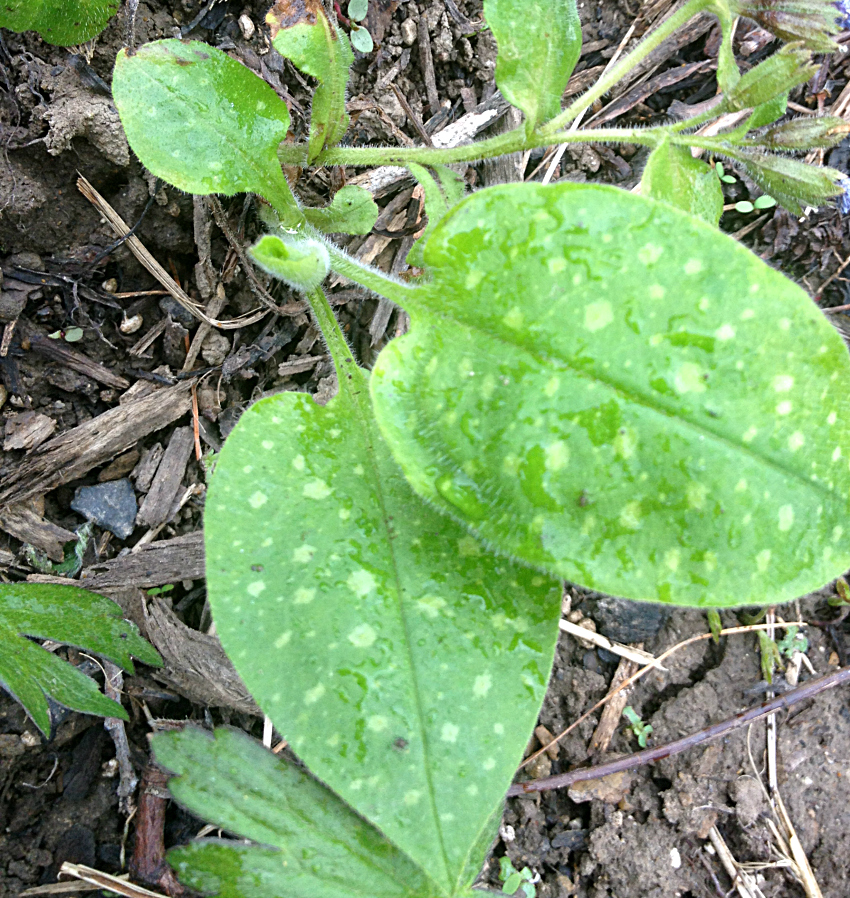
(596,385)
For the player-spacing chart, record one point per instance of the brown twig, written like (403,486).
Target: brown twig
(658,753)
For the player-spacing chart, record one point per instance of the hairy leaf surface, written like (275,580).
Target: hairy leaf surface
(303,33)
(72,616)
(673,176)
(58,21)
(202,121)
(352,211)
(443,189)
(403,662)
(593,389)
(311,844)
(539,44)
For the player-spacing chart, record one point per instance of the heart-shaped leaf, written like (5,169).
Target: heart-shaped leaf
(58,21)
(302,32)
(615,392)
(72,616)
(673,176)
(539,43)
(202,121)
(312,845)
(403,662)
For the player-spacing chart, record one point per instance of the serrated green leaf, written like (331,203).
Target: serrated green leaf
(403,662)
(591,389)
(673,176)
(352,211)
(72,616)
(311,844)
(443,189)
(539,44)
(301,263)
(302,32)
(58,21)
(202,121)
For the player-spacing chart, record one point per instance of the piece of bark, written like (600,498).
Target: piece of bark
(25,524)
(609,719)
(77,451)
(156,564)
(426,62)
(119,468)
(28,430)
(504,169)
(144,471)
(59,351)
(195,664)
(166,483)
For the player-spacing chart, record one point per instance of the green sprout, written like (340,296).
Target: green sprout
(640,730)
(514,879)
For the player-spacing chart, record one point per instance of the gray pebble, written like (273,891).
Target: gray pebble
(110,505)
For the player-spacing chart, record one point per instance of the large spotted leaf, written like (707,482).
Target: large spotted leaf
(61,22)
(404,663)
(612,391)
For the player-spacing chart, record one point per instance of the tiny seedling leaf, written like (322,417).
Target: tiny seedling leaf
(352,211)
(764,202)
(301,263)
(58,21)
(744,206)
(588,385)
(302,32)
(539,44)
(673,176)
(404,663)
(443,189)
(311,844)
(357,9)
(72,616)
(361,39)
(202,121)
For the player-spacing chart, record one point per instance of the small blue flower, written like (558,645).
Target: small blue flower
(842,201)
(843,7)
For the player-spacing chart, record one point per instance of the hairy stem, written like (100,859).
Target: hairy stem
(332,334)
(654,39)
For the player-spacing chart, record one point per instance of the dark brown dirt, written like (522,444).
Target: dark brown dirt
(645,838)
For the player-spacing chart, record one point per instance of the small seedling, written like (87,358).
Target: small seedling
(513,879)
(640,730)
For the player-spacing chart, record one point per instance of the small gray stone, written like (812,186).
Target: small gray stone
(408,32)
(629,622)
(111,506)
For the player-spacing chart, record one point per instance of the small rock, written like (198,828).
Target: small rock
(111,506)
(131,325)
(27,430)
(629,622)
(178,313)
(110,285)
(611,789)
(749,800)
(246,26)
(408,32)
(215,348)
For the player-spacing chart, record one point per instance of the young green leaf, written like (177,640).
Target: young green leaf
(673,176)
(589,386)
(301,263)
(58,21)
(352,211)
(443,189)
(768,112)
(311,844)
(302,32)
(357,9)
(72,616)
(361,39)
(404,663)
(539,44)
(202,121)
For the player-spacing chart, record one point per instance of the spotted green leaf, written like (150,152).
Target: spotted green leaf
(403,662)
(673,176)
(58,21)
(308,843)
(539,43)
(594,390)
(202,121)
(68,615)
(352,211)
(302,32)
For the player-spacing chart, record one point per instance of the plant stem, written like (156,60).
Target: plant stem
(334,338)
(643,49)
(511,142)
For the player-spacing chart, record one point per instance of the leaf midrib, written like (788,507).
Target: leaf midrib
(635,398)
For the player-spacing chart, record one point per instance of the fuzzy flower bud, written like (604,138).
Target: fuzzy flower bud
(779,73)
(808,133)
(792,183)
(812,22)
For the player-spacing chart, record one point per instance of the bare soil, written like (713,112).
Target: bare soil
(643,835)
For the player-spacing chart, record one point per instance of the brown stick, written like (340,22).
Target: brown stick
(148,865)
(651,755)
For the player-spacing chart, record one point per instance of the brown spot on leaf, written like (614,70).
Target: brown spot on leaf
(288,13)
